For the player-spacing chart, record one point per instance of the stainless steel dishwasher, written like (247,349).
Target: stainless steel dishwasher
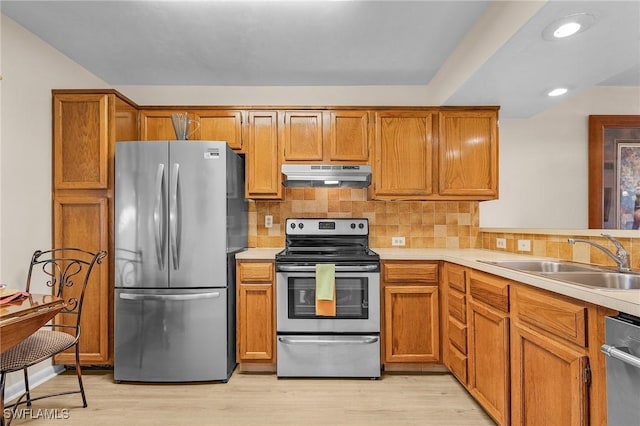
(622,346)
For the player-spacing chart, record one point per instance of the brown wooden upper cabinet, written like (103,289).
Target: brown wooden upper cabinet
(403,166)
(262,159)
(81,140)
(468,154)
(215,124)
(220,125)
(333,136)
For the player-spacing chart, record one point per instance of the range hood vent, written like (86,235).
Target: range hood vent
(328,175)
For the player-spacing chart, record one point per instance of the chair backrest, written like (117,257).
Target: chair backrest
(66,271)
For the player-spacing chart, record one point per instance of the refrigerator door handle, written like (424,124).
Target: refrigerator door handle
(170,297)
(174,216)
(159,217)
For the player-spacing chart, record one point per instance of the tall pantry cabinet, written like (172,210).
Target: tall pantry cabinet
(86,125)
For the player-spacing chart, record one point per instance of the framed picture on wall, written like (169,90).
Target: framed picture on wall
(628,183)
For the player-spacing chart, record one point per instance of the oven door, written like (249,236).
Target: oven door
(357,301)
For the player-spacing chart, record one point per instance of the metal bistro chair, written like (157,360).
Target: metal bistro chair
(67,272)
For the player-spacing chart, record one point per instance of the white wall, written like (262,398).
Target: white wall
(544,162)
(30,69)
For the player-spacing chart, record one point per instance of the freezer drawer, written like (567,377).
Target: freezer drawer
(329,356)
(172,336)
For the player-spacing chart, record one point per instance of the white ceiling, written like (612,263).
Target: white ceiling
(463,52)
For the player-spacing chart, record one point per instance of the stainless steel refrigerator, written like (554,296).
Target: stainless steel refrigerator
(180,218)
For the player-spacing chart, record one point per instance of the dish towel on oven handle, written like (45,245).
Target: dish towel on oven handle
(326,289)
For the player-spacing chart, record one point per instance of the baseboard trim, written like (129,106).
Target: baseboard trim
(36,379)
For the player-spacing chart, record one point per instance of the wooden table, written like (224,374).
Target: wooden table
(23,317)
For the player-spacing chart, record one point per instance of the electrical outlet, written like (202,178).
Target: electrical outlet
(268,221)
(397,241)
(501,243)
(524,245)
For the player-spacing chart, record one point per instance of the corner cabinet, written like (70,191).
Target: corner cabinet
(436,154)
(411,325)
(86,125)
(255,323)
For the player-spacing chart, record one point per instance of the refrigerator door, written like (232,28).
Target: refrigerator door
(141,214)
(171,335)
(197,214)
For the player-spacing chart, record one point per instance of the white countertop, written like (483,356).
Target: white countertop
(621,300)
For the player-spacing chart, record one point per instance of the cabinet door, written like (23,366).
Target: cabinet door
(83,221)
(548,380)
(411,324)
(220,125)
(255,322)
(488,360)
(468,160)
(263,177)
(156,126)
(403,155)
(80,141)
(302,135)
(348,136)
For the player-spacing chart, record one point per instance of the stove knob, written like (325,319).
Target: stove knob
(361,225)
(353,226)
(301,225)
(293,225)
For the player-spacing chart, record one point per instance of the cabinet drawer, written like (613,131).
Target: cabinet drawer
(492,290)
(414,272)
(457,306)
(552,313)
(255,272)
(456,277)
(458,335)
(458,364)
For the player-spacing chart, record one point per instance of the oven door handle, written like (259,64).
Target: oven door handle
(353,341)
(339,268)
(621,355)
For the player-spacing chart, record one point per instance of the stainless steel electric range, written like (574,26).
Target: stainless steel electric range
(312,345)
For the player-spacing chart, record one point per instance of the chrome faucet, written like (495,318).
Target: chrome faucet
(621,257)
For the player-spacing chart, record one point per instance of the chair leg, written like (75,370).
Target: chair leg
(79,373)
(3,377)
(27,391)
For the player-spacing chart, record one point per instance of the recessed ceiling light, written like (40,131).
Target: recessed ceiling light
(558,92)
(566,30)
(568,26)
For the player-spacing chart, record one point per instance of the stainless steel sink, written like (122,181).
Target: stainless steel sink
(544,265)
(604,280)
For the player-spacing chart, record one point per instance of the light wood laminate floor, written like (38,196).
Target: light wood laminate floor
(260,399)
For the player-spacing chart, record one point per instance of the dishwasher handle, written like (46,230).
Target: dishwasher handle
(620,355)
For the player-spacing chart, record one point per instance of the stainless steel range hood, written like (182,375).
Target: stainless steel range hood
(330,175)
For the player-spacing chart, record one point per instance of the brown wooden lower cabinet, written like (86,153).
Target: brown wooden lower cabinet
(411,324)
(489,360)
(255,320)
(83,221)
(549,381)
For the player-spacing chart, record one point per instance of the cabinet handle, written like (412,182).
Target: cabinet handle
(355,341)
(620,355)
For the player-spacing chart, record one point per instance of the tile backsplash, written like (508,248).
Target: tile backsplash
(424,224)
(555,245)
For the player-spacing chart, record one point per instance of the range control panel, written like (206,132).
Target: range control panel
(327,226)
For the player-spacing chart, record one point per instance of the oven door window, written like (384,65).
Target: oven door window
(352,298)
